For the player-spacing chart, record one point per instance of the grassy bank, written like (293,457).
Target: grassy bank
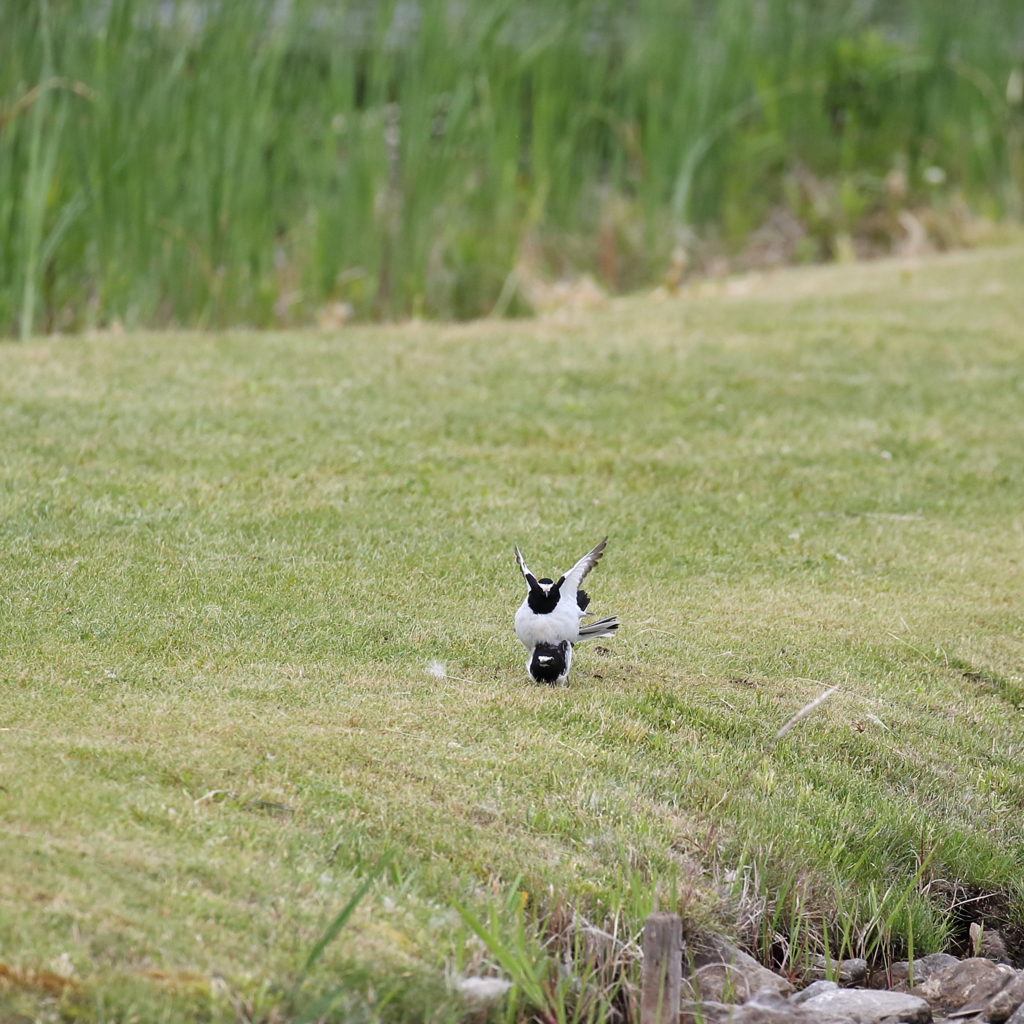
(229,561)
(201,164)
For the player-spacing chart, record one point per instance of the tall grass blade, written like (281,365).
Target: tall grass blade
(331,933)
(323,1005)
(42,156)
(523,972)
(269,163)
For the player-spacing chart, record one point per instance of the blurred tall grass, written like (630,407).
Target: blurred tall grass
(212,162)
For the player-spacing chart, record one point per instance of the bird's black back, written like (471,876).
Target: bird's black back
(582,599)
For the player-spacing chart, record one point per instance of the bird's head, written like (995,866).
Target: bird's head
(549,662)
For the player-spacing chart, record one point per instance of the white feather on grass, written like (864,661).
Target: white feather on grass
(439,670)
(482,990)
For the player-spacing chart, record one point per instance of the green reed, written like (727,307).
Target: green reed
(254,162)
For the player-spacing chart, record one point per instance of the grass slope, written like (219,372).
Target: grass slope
(228,561)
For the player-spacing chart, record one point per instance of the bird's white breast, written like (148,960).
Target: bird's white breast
(561,624)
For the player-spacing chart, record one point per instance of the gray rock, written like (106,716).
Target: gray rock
(1005,1002)
(768,1007)
(969,984)
(993,946)
(814,989)
(736,982)
(936,961)
(726,974)
(867,1006)
(898,975)
(707,1012)
(1017,1017)
(848,972)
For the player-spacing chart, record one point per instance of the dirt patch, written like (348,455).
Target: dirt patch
(46,982)
(998,914)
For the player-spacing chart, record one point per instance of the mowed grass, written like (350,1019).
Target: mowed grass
(229,560)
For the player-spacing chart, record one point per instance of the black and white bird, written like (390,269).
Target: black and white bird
(548,622)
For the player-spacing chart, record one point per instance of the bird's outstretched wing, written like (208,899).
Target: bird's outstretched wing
(522,565)
(531,580)
(574,577)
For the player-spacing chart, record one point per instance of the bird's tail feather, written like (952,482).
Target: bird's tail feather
(603,627)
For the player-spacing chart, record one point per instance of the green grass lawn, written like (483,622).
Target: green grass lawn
(228,562)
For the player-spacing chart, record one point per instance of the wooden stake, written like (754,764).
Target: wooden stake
(662,973)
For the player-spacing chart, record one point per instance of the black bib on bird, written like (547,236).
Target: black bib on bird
(541,603)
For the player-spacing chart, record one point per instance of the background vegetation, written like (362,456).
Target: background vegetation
(264,162)
(257,601)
